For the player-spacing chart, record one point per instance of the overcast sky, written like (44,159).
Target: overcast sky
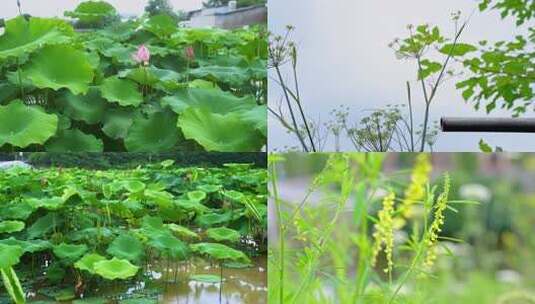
(8,8)
(344,59)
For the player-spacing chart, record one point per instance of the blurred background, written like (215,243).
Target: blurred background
(494,264)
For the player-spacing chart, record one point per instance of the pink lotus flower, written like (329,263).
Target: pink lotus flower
(189,52)
(142,55)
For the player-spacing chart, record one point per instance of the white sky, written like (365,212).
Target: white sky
(49,8)
(344,59)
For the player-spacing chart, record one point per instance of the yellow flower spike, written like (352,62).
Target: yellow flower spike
(438,222)
(384,232)
(416,190)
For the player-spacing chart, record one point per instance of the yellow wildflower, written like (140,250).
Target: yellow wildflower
(384,232)
(438,222)
(416,190)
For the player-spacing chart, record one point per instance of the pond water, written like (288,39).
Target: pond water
(240,285)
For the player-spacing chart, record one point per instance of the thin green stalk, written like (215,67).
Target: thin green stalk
(282,231)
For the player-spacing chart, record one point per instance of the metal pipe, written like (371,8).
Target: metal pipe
(505,125)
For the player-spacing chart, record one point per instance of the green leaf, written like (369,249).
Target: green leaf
(182,231)
(459,49)
(223,234)
(43,225)
(23,36)
(52,203)
(196,196)
(161,25)
(126,247)
(89,108)
(220,252)
(117,122)
(169,245)
(157,133)
(115,269)
(60,66)
(11,226)
(484,147)
(87,263)
(221,133)
(74,141)
(9,255)
(122,91)
(25,125)
(69,252)
(205,278)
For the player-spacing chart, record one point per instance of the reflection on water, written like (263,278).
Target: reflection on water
(247,285)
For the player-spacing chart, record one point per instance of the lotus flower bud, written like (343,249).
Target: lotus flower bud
(142,55)
(189,52)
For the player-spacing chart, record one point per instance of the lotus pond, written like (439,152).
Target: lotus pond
(139,85)
(153,234)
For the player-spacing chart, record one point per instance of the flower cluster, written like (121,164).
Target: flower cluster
(438,222)
(416,190)
(384,232)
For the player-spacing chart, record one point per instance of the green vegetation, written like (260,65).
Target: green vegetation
(351,231)
(67,233)
(141,85)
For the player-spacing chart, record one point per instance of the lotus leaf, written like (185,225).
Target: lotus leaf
(66,294)
(90,301)
(234,195)
(197,195)
(126,247)
(43,225)
(92,11)
(209,188)
(19,211)
(206,278)
(89,108)
(138,301)
(220,252)
(31,246)
(9,255)
(213,219)
(60,66)
(134,186)
(25,125)
(169,245)
(152,76)
(23,36)
(69,252)
(122,91)
(87,263)
(161,25)
(215,132)
(117,123)
(182,231)
(52,203)
(191,205)
(157,133)
(74,141)
(223,234)
(115,269)
(11,226)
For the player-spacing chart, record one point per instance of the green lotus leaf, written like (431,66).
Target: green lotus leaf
(209,188)
(115,269)
(205,278)
(17,211)
(11,226)
(66,294)
(197,195)
(234,195)
(153,224)
(90,301)
(183,231)
(25,36)
(220,252)
(190,205)
(87,263)
(161,198)
(257,116)
(44,225)
(92,11)
(122,91)
(121,31)
(214,100)
(60,66)
(9,255)
(139,301)
(117,122)
(30,246)
(167,163)
(169,245)
(126,247)
(74,141)
(161,25)
(89,108)
(221,133)
(69,252)
(134,186)
(157,133)
(52,203)
(223,234)
(213,219)
(25,125)
(152,76)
